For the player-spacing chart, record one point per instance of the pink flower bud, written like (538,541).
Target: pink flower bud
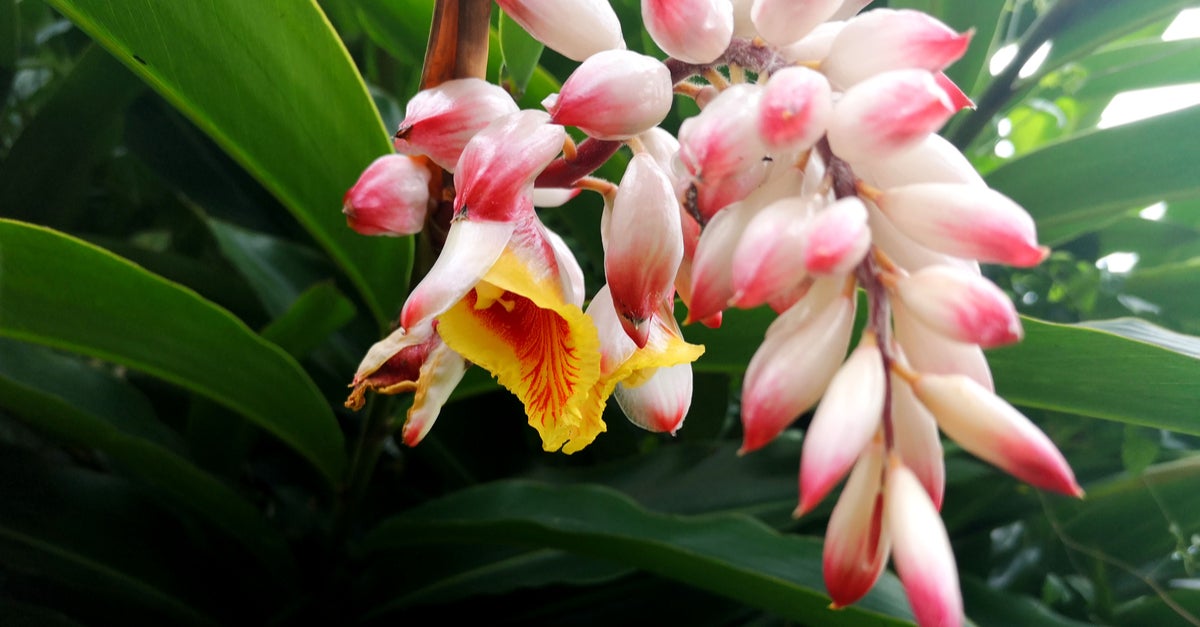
(886,114)
(991,429)
(782,22)
(856,543)
(917,440)
(576,29)
(814,47)
(796,105)
(391,197)
(769,257)
(693,31)
(553,196)
(849,414)
(790,371)
(933,160)
(837,238)
(438,122)
(614,94)
(902,250)
(494,180)
(934,353)
(661,402)
(965,221)
(723,138)
(888,39)
(960,305)
(715,194)
(645,245)
(921,550)
(958,98)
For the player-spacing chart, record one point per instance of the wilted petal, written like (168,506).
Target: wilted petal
(391,197)
(965,221)
(645,245)
(790,371)
(960,305)
(796,105)
(782,22)
(439,121)
(614,95)
(991,429)
(921,550)
(887,39)
(693,31)
(847,418)
(886,114)
(576,29)
(856,544)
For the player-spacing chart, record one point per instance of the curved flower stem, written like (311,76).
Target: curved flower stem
(589,155)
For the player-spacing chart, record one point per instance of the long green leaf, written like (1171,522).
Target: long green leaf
(1071,185)
(272,84)
(59,291)
(730,555)
(1100,374)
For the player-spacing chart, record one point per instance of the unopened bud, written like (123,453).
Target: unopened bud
(613,95)
(961,305)
(391,197)
(886,114)
(438,122)
(576,29)
(782,22)
(693,31)
(889,39)
(795,109)
(494,179)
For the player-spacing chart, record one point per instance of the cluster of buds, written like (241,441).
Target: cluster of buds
(812,177)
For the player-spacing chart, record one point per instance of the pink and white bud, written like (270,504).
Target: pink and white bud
(847,418)
(886,114)
(837,238)
(921,550)
(439,121)
(723,138)
(391,197)
(856,543)
(989,428)
(613,95)
(549,197)
(819,294)
(903,251)
(934,353)
(815,46)
(662,145)
(965,221)
(790,371)
(714,194)
(782,22)
(957,96)
(693,31)
(796,105)
(661,402)
(743,25)
(570,274)
(917,440)
(471,249)
(889,39)
(933,160)
(711,275)
(961,305)
(576,29)
(769,257)
(494,180)
(645,245)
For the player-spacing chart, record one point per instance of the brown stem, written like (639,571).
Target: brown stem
(589,155)
(458,42)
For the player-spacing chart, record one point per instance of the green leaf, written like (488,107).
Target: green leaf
(1097,373)
(1058,184)
(1171,286)
(291,108)
(314,316)
(33,384)
(47,168)
(1091,24)
(61,292)
(987,606)
(1142,331)
(1140,65)
(730,555)
(520,52)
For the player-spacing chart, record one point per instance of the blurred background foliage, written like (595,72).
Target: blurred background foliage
(181,308)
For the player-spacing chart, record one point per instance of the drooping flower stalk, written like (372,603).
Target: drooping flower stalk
(812,178)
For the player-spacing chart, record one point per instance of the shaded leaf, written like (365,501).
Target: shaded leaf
(520,52)
(61,292)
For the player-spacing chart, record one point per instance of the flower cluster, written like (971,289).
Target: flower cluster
(811,179)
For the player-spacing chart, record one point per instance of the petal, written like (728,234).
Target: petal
(886,39)
(440,374)
(661,402)
(782,22)
(921,550)
(887,114)
(693,31)
(614,95)
(917,440)
(934,353)
(576,29)
(847,418)
(769,257)
(439,121)
(471,248)
(837,238)
(991,429)
(796,106)
(961,305)
(495,174)
(856,544)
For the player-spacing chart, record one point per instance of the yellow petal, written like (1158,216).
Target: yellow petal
(517,325)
